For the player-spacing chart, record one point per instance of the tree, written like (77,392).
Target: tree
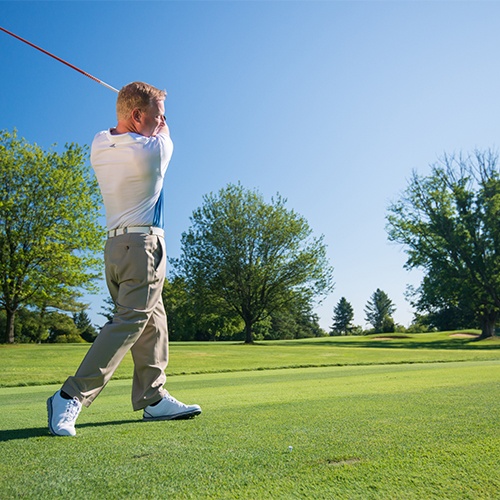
(343,314)
(449,225)
(63,329)
(30,325)
(49,229)
(379,310)
(109,309)
(195,317)
(252,256)
(443,304)
(85,327)
(294,321)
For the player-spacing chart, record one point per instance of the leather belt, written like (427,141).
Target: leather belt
(136,229)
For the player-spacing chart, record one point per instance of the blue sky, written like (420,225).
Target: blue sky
(332,104)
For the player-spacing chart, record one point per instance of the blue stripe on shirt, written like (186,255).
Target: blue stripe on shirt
(158,219)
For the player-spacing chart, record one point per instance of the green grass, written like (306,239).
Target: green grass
(31,364)
(374,427)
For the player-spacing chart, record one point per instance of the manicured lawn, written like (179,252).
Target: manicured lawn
(31,364)
(424,429)
(403,431)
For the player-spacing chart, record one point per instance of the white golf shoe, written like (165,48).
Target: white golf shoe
(62,414)
(170,409)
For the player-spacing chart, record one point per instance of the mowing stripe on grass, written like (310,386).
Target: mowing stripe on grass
(31,364)
(367,432)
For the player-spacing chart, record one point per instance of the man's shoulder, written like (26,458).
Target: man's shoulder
(161,142)
(100,136)
(105,139)
(164,140)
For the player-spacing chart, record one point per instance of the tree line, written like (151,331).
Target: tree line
(33,326)
(248,269)
(378,313)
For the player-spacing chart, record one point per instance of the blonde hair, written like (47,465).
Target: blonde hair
(137,95)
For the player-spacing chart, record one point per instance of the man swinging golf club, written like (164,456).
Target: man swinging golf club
(130,162)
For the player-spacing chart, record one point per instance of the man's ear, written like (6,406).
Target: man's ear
(136,115)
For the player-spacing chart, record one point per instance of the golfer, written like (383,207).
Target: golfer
(130,162)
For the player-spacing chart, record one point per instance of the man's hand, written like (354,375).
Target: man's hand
(163,128)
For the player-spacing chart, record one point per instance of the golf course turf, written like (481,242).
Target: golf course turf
(404,418)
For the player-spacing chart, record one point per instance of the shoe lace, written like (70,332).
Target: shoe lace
(173,400)
(71,411)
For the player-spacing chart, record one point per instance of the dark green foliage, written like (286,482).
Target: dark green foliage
(449,225)
(343,314)
(40,325)
(446,318)
(29,326)
(85,328)
(379,310)
(63,329)
(296,320)
(195,317)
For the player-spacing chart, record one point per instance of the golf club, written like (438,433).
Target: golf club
(60,60)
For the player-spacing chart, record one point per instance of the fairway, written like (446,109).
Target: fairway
(42,364)
(374,431)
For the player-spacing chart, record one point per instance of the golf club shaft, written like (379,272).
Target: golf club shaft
(60,60)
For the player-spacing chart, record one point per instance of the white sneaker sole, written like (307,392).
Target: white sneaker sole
(178,416)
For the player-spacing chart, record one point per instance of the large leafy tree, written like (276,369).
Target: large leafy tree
(449,224)
(252,256)
(194,316)
(49,227)
(379,310)
(343,315)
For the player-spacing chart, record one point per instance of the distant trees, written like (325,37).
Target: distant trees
(30,325)
(34,326)
(343,315)
(196,316)
(84,326)
(49,229)
(296,320)
(192,316)
(63,329)
(379,310)
(251,259)
(108,309)
(448,223)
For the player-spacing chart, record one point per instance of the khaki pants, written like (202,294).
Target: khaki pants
(135,272)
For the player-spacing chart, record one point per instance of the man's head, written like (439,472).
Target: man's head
(140,108)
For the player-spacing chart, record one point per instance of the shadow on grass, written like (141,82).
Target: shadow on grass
(396,342)
(445,345)
(13,434)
